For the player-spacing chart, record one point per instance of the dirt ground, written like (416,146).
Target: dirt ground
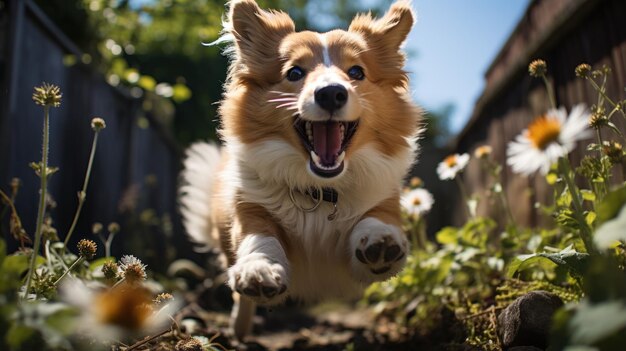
(324,327)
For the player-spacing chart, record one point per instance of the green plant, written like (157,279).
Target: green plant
(477,270)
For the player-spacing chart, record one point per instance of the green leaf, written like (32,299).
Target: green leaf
(146,82)
(590,217)
(181,93)
(588,195)
(593,323)
(99,262)
(20,337)
(612,203)
(447,235)
(569,258)
(611,231)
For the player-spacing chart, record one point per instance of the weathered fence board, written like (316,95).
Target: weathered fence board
(564,33)
(32,53)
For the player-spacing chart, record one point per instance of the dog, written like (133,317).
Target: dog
(318,133)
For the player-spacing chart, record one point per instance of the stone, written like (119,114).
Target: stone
(526,322)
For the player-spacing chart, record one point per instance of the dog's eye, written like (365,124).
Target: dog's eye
(356,72)
(295,73)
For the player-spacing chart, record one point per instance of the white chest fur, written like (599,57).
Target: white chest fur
(264,173)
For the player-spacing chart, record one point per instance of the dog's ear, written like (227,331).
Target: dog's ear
(385,35)
(257,34)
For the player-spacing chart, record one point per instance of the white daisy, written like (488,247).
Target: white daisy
(115,313)
(417,202)
(452,165)
(547,138)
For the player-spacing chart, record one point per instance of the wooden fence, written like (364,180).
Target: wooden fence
(564,33)
(31,52)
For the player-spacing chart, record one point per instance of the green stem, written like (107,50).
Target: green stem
(107,245)
(551,95)
(459,182)
(507,209)
(42,198)
(601,91)
(78,261)
(585,231)
(83,193)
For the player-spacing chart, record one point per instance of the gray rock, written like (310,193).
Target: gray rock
(526,322)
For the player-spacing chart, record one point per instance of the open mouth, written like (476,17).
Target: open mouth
(326,142)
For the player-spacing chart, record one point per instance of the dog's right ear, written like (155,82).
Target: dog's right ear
(257,34)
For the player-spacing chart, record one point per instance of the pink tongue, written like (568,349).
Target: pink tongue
(327,141)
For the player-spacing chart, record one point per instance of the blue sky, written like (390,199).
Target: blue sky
(452,45)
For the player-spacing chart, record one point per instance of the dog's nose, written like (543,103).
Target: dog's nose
(331,97)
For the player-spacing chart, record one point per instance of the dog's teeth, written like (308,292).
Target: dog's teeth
(316,158)
(342,155)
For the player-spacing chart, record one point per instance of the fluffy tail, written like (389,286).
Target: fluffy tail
(197,178)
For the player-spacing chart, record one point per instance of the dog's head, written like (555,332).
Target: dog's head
(326,95)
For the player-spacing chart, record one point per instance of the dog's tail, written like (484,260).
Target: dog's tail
(195,193)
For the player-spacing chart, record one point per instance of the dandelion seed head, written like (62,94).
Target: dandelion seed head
(96,228)
(538,68)
(613,150)
(97,124)
(87,248)
(110,270)
(113,227)
(583,70)
(131,269)
(598,120)
(47,95)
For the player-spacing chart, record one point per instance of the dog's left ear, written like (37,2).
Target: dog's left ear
(385,35)
(257,35)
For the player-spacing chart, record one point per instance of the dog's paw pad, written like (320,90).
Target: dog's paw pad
(379,251)
(380,254)
(260,280)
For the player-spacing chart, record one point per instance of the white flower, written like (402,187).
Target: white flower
(417,202)
(452,165)
(113,313)
(547,138)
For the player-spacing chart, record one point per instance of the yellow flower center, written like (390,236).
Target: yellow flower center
(416,201)
(129,308)
(450,161)
(543,131)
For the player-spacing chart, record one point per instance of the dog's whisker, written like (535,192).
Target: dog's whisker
(290,105)
(282,93)
(282,100)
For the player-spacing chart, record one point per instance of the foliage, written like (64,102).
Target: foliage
(54,297)
(478,269)
(155,49)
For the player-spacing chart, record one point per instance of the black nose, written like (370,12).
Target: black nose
(331,97)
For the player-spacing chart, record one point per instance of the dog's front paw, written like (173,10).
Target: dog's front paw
(258,278)
(378,250)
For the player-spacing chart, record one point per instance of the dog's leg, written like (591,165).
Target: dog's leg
(377,245)
(241,315)
(260,272)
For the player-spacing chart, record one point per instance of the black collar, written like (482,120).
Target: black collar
(328,194)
